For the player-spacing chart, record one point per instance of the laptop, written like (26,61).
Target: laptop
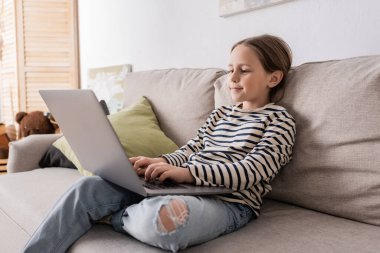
(95,143)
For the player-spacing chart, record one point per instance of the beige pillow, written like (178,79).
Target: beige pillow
(336,162)
(181,98)
(222,94)
(336,159)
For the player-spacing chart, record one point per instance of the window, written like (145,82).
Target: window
(39,51)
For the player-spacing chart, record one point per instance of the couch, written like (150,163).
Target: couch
(327,199)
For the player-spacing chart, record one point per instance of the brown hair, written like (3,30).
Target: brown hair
(274,54)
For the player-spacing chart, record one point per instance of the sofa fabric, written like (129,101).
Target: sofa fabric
(281,228)
(222,92)
(181,98)
(25,158)
(30,201)
(336,167)
(325,200)
(336,163)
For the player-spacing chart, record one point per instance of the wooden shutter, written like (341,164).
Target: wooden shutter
(8,68)
(50,48)
(47,49)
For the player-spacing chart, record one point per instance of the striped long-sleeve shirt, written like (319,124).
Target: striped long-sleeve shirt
(239,149)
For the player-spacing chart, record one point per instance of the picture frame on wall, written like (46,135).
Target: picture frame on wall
(108,83)
(233,7)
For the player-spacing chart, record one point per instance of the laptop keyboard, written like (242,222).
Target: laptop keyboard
(157,185)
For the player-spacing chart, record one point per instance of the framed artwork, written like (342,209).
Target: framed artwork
(107,84)
(232,7)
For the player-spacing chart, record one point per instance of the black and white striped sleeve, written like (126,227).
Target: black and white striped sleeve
(272,152)
(180,156)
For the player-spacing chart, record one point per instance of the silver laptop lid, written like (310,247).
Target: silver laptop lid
(81,119)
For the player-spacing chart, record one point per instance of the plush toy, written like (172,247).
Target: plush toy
(36,122)
(4,141)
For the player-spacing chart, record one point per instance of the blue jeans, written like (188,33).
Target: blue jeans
(91,199)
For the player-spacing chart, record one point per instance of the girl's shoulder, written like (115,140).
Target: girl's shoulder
(278,113)
(276,109)
(279,110)
(224,109)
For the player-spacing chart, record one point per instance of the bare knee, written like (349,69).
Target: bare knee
(172,216)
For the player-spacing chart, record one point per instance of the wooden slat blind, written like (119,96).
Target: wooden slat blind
(50,41)
(47,52)
(8,69)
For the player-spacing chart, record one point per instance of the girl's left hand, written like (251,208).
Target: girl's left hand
(163,171)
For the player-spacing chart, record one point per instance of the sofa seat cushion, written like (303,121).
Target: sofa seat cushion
(26,197)
(12,236)
(280,228)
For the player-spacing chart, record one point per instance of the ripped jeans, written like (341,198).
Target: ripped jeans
(168,222)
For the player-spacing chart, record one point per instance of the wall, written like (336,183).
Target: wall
(154,34)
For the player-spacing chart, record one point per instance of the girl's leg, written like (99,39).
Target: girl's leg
(88,200)
(176,222)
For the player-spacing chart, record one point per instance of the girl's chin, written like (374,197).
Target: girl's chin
(236,99)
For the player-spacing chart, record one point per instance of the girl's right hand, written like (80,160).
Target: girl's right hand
(140,163)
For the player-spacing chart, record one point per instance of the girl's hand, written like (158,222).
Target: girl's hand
(163,171)
(140,163)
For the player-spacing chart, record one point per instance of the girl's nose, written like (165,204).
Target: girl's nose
(234,77)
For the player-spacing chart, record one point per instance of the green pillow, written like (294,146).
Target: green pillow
(138,130)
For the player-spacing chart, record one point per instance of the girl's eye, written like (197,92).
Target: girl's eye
(229,71)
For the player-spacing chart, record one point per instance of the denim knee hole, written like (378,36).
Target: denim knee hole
(172,216)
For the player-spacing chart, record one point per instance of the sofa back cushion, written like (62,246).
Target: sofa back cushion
(336,160)
(182,99)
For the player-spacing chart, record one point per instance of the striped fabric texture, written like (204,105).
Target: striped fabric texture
(239,149)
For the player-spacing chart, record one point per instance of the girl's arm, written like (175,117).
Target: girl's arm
(176,158)
(179,157)
(265,160)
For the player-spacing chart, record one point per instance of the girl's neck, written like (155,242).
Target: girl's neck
(242,109)
(247,105)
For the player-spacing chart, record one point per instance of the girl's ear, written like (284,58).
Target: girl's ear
(275,78)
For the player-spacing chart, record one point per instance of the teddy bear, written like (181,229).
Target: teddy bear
(36,122)
(4,141)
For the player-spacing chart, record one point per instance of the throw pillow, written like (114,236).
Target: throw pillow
(336,164)
(184,98)
(138,130)
(222,94)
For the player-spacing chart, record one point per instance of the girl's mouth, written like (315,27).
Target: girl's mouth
(236,88)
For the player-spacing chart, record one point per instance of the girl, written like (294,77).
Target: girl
(241,147)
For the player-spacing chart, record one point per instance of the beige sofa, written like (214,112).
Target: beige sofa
(327,199)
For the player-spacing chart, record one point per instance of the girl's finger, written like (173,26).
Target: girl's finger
(142,162)
(140,171)
(149,171)
(137,164)
(133,159)
(158,172)
(165,175)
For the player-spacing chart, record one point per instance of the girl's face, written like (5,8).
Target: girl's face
(248,81)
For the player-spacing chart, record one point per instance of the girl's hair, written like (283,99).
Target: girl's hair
(274,54)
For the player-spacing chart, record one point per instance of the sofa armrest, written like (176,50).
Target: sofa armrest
(26,153)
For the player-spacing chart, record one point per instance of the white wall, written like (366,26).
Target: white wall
(153,34)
